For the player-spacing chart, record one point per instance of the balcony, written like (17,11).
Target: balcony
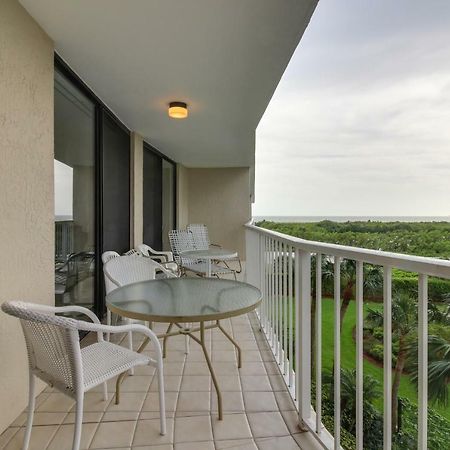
(258,410)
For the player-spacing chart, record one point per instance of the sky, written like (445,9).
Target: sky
(360,122)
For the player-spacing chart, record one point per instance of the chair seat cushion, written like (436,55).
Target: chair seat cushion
(105,360)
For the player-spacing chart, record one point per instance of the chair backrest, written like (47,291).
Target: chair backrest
(53,346)
(181,241)
(129,269)
(107,256)
(200,235)
(110,254)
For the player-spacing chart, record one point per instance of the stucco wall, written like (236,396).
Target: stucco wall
(220,198)
(26,188)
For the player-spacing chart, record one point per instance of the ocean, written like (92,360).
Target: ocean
(299,219)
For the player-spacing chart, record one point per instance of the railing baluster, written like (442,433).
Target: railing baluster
(272,261)
(285,312)
(280,304)
(387,343)
(359,353)
(277,331)
(318,343)
(291,319)
(337,353)
(297,328)
(304,335)
(423,362)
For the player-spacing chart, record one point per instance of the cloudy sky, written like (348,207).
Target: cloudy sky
(360,122)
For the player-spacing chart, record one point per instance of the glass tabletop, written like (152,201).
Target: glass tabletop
(184,299)
(211,253)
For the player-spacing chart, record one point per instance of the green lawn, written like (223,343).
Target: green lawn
(348,349)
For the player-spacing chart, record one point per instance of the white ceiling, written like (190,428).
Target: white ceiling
(222,57)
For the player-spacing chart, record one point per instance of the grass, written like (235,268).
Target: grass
(348,352)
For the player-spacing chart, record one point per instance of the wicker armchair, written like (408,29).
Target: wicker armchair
(55,356)
(164,258)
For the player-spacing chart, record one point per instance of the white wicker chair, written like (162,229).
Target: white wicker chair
(200,234)
(164,258)
(183,241)
(55,356)
(129,269)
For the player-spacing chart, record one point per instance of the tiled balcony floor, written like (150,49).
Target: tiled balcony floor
(258,412)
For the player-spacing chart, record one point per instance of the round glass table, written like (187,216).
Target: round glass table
(209,255)
(185,300)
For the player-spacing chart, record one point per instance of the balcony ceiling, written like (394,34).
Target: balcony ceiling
(222,57)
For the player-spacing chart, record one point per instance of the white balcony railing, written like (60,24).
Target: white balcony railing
(280,266)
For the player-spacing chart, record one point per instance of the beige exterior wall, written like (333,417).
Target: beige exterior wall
(26,185)
(219,198)
(137,193)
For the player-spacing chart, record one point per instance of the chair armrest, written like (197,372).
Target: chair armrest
(167,255)
(100,329)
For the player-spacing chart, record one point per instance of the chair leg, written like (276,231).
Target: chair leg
(105,391)
(108,322)
(130,345)
(78,422)
(31,405)
(162,404)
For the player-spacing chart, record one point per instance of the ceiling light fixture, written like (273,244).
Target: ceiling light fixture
(178,110)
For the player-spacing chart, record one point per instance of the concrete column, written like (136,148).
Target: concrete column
(136,190)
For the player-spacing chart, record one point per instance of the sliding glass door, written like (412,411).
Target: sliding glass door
(159,198)
(74,172)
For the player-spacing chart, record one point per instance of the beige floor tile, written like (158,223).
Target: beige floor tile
(236,444)
(253,368)
(223,345)
(63,437)
(231,402)
(151,402)
(255,383)
(248,345)
(267,355)
(291,420)
(191,429)
(229,383)
(154,447)
(206,445)
(56,402)
(148,433)
(259,401)
(177,355)
(146,415)
(272,368)
(224,356)
(7,435)
(284,401)
(196,368)
(306,441)
(233,426)
(173,367)
(193,401)
(251,356)
(144,371)
(116,416)
(93,402)
(40,438)
(88,417)
(129,401)
(171,383)
(21,419)
(277,383)
(225,368)
(267,424)
(277,443)
(113,434)
(196,383)
(195,355)
(136,383)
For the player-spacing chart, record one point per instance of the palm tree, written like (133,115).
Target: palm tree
(404,324)
(372,281)
(438,368)
(371,391)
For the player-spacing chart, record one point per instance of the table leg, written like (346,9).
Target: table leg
(165,339)
(222,329)
(211,370)
(209,262)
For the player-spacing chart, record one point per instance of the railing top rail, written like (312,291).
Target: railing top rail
(420,264)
